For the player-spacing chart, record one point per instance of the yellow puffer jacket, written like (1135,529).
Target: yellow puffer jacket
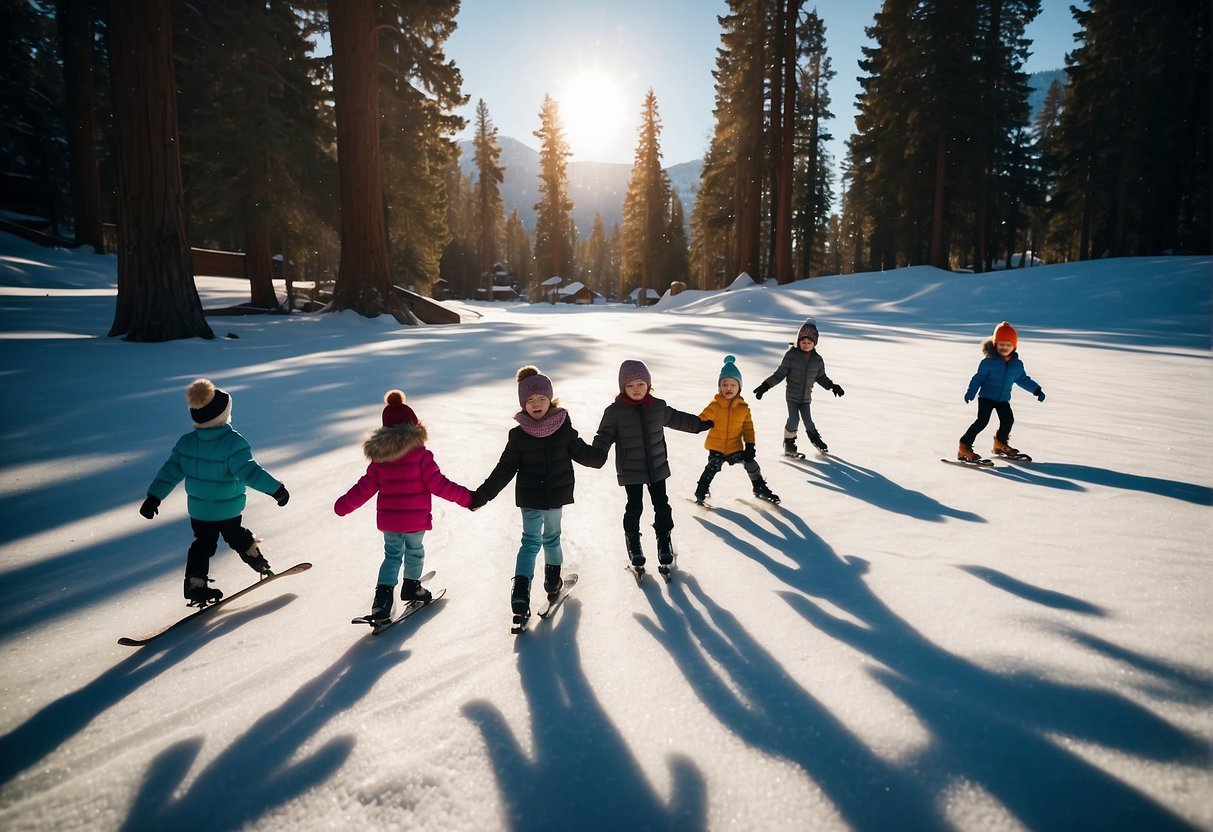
(733,425)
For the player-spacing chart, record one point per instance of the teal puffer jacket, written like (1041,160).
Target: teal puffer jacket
(216,464)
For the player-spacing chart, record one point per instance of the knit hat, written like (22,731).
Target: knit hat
(396,412)
(729,370)
(633,370)
(531,382)
(209,406)
(807,329)
(1005,332)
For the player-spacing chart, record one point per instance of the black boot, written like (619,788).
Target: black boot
(632,543)
(665,549)
(257,561)
(701,489)
(198,593)
(763,492)
(817,441)
(789,446)
(552,581)
(520,598)
(411,590)
(381,607)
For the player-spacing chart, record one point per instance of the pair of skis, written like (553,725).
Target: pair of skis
(522,620)
(378,625)
(985,462)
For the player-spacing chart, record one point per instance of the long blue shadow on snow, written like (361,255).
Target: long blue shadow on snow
(582,774)
(259,771)
(59,721)
(1174,489)
(1035,594)
(842,477)
(993,729)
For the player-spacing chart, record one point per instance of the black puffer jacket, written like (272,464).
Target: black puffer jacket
(802,369)
(637,429)
(543,466)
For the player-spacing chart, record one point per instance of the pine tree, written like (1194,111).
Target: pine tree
(553,212)
(813,176)
(76,34)
(646,206)
(490,215)
(157,299)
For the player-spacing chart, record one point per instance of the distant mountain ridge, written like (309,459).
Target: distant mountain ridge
(594,187)
(599,187)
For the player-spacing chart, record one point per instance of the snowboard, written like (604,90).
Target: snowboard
(206,610)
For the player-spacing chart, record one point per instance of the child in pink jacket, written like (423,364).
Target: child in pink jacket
(404,474)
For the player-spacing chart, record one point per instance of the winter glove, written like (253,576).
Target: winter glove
(838,391)
(705,424)
(477,501)
(758,391)
(150,507)
(968,397)
(1039,394)
(749,451)
(281,495)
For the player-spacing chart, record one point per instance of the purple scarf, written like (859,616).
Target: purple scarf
(546,426)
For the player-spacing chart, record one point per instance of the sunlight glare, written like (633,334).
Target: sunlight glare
(593,113)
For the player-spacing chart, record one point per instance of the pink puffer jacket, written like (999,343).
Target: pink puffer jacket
(404,475)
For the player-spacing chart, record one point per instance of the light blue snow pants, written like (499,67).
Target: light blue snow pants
(399,546)
(540,528)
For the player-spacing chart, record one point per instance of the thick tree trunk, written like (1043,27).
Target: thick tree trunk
(749,167)
(364,281)
(938,256)
(157,299)
(787,146)
(258,258)
(76,33)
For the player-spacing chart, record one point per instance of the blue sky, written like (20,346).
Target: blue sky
(599,59)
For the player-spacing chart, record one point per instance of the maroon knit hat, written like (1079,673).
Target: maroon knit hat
(531,382)
(633,370)
(396,412)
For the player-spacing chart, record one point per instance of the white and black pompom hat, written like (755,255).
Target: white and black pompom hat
(209,406)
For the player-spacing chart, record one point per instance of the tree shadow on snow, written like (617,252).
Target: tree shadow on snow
(59,721)
(263,768)
(997,730)
(1174,489)
(582,774)
(844,477)
(1035,594)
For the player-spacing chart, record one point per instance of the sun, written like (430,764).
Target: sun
(594,114)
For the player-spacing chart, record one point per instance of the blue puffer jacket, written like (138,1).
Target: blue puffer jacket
(216,464)
(995,376)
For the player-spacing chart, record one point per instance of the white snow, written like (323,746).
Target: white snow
(901,645)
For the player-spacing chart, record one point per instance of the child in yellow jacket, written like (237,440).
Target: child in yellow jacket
(731,438)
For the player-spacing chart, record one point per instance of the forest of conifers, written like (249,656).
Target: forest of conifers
(150,128)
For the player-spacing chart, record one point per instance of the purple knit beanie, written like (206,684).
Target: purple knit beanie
(633,370)
(532,382)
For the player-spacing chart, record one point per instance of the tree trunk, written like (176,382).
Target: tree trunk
(364,281)
(157,299)
(938,257)
(76,35)
(258,257)
(749,161)
(787,146)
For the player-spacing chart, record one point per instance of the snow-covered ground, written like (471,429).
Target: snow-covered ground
(901,645)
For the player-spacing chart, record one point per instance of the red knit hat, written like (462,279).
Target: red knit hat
(1005,332)
(397,412)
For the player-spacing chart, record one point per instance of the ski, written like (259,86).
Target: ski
(796,455)
(1015,457)
(139,642)
(981,462)
(367,620)
(554,603)
(637,573)
(408,609)
(520,623)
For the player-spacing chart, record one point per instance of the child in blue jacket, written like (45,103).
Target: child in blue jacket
(991,385)
(216,464)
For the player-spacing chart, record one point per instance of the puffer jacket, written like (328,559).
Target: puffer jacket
(802,370)
(637,429)
(216,464)
(404,475)
(995,376)
(733,426)
(543,467)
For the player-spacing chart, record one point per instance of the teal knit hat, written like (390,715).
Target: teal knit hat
(729,370)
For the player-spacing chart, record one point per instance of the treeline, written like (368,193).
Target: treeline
(216,125)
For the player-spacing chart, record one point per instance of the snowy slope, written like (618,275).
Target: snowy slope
(901,645)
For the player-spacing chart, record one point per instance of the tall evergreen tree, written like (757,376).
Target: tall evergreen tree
(157,299)
(490,217)
(553,212)
(646,218)
(519,261)
(77,36)
(813,175)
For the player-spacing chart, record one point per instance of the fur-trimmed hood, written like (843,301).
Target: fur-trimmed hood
(391,443)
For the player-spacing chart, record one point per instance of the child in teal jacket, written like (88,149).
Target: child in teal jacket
(216,463)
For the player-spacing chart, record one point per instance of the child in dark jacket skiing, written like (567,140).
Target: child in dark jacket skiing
(216,463)
(991,385)
(635,422)
(540,453)
(403,472)
(803,367)
(731,438)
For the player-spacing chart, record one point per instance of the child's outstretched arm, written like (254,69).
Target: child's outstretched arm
(686,422)
(608,431)
(499,477)
(774,378)
(361,491)
(438,485)
(586,454)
